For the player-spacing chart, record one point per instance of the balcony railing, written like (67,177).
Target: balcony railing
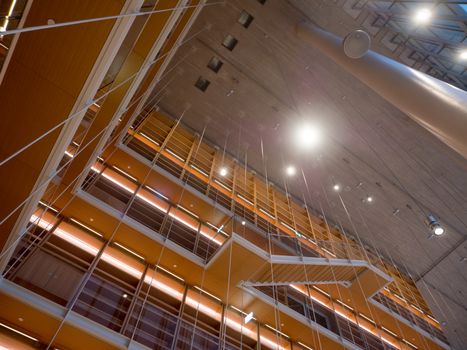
(127,296)
(246,195)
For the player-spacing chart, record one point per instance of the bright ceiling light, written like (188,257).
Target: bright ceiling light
(223,171)
(434,225)
(290,170)
(243,222)
(369,199)
(336,187)
(308,136)
(438,230)
(422,16)
(463,55)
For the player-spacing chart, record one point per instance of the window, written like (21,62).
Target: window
(245,19)
(202,84)
(215,64)
(229,42)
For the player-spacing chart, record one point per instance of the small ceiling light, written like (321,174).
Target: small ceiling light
(125,295)
(223,171)
(435,226)
(290,170)
(336,187)
(243,222)
(422,16)
(369,199)
(308,136)
(463,55)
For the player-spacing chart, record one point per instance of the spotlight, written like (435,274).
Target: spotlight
(243,222)
(463,55)
(434,225)
(308,136)
(125,295)
(336,187)
(369,199)
(422,16)
(223,171)
(290,170)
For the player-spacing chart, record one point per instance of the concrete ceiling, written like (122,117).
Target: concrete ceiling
(271,82)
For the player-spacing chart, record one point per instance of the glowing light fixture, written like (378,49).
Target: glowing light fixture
(223,171)
(435,226)
(369,199)
(463,55)
(243,222)
(336,187)
(308,136)
(422,16)
(290,170)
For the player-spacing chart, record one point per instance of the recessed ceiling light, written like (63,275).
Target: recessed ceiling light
(422,16)
(91,219)
(243,222)
(223,171)
(336,187)
(369,199)
(175,265)
(290,170)
(125,295)
(308,136)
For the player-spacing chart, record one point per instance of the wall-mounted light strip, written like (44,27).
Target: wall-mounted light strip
(124,173)
(129,251)
(149,138)
(188,211)
(199,170)
(157,193)
(417,308)
(266,213)
(170,273)
(48,207)
(115,181)
(86,227)
(329,252)
(222,185)
(388,331)
(305,346)
(18,332)
(276,330)
(175,155)
(206,292)
(7,17)
(410,344)
(245,199)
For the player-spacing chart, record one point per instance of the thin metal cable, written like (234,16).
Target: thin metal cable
(93,266)
(308,301)
(73,180)
(105,18)
(95,101)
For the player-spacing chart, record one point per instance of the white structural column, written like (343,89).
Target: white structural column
(95,78)
(438,106)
